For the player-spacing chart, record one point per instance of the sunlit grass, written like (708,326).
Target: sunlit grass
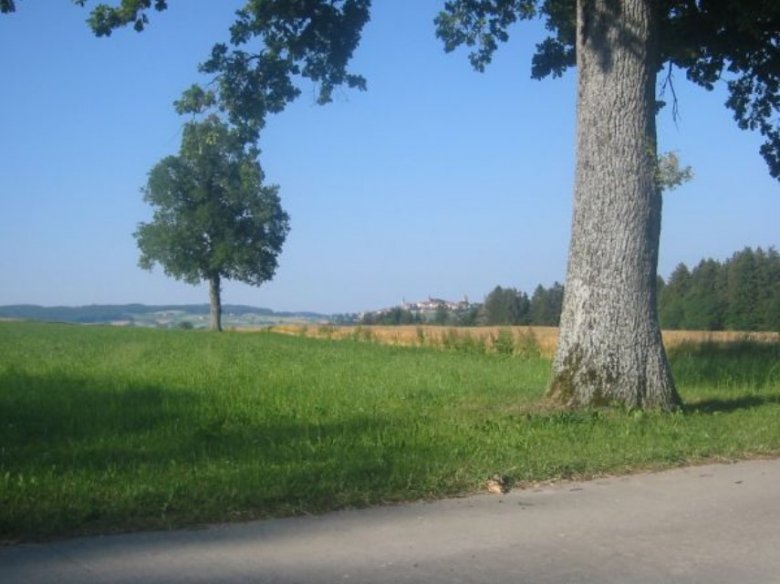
(105,429)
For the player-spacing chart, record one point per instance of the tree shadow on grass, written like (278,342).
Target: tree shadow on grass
(145,455)
(49,411)
(741,362)
(91,421)
(745,402)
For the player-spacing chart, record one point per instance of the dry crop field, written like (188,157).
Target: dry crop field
(545,338)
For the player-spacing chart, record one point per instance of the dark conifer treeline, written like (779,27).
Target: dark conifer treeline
(513,307)
(741,293)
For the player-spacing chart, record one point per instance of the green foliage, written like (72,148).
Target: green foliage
(527,347)
(546,305)
(104,18)
(105,429)
(213,217)
(195,100)
(670,174)
(468,316)
(735,41)
(462,342)
(290,40)
(480,25)
(464,314)
(444,314)
(346,319)
(503,342)
(502,306)
(441,315)
(741,363)
(742,293)
(671,307)
(506,306)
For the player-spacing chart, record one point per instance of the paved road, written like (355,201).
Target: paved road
(709,524)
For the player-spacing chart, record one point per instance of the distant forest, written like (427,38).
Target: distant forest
(741,293)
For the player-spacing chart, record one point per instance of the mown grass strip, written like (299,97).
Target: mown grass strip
(105,429)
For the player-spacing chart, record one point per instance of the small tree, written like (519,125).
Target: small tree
(213,217)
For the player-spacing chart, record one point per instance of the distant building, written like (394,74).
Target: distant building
(433,304)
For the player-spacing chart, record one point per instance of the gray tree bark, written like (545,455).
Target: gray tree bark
(215,299)
(610,348)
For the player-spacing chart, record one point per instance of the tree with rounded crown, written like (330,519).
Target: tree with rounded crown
(213,217)
(610,348)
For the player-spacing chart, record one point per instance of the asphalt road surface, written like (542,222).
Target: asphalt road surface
(708,524)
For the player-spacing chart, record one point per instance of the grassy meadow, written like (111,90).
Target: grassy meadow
(108,429)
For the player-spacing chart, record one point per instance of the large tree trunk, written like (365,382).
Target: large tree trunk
(215,298)
(610,348)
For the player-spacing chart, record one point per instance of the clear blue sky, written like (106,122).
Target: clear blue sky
(437,181)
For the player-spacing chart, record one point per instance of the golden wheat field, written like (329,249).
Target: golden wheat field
(545,338)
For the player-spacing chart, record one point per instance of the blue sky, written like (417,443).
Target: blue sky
(436,181)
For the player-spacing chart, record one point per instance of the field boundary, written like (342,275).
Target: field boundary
(545,337)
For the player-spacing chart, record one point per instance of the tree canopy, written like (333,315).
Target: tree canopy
(735,41)
(272,45)
(214,219)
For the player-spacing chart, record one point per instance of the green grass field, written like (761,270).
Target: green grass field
(107,429)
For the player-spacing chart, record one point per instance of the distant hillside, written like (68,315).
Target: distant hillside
(159,315)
